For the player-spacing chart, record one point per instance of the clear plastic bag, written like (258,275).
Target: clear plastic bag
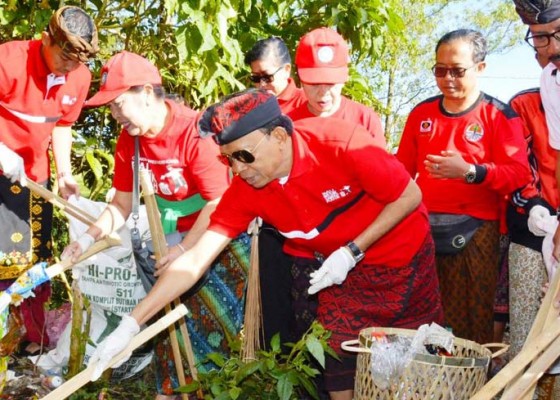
(389,358)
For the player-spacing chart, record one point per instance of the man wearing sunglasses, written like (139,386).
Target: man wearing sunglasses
(322,59)
(271,66)
(467,151)
(362,227)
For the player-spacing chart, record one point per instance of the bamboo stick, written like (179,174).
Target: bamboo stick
(59,202)
(160,250)
(511,370)
(84,377)
(525,385)
(545,316)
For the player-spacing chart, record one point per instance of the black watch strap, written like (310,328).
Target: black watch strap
(356,252)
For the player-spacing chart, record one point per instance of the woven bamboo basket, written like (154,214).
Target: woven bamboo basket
(426,376)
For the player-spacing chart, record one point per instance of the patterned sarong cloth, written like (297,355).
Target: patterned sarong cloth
(371,295)
(215,315)
(26,240)
(501,306)
(468,282)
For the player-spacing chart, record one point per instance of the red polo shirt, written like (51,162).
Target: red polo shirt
(30,109)
(542,157)
(489,133)
(291,97)
(182,163)
(336,164)
(350,111)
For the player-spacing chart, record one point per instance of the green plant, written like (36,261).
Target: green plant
(273,375)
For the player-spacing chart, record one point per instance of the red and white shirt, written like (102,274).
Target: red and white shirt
(339,183)
(182,163)
(489,133)
(33,101)
(350,111)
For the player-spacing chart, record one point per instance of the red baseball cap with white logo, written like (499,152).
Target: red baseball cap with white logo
(322,57)
(123,71)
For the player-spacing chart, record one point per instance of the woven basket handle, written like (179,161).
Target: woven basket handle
(350,345)
(502,348)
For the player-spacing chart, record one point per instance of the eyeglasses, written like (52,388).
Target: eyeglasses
(540,40)
(245,156)
(455,72)
(264,78)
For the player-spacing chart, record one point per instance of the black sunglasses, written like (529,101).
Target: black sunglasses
(245,156)
(264,78)
(455,72)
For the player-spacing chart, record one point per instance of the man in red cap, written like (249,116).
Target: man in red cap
(43,86)
(322,59)
(360,230)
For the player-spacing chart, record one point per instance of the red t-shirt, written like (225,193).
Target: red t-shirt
(30,109)
(542,157)
(350,111)
(291,98)
(335,164)
(489,133)
(182,163)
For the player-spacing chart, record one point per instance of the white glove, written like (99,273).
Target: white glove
(78,247)
(12,165)
(113,345)
(333,271)
(536,221)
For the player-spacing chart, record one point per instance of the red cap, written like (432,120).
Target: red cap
(123,71)
(322,57)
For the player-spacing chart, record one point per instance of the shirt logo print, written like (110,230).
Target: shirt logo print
(67,100)
(331,195)
(474,132)
(426,126)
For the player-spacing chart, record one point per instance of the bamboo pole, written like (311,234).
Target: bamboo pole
(84,377)
(160,250)
(515,367)
(524,386)
(545,316)
(59,202)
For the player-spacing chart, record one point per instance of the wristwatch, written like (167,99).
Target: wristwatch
(356,252)
(470,175)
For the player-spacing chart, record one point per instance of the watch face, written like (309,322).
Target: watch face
(470,177)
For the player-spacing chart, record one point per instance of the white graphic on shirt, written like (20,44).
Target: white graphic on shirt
(331,195)
(69,100)
(171,182)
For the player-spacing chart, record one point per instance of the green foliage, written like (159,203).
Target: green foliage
(273,375)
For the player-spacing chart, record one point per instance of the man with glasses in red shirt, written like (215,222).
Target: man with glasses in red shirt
(366,220)
(467,152)
(271,66)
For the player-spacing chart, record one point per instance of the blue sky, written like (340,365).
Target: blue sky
(510,72)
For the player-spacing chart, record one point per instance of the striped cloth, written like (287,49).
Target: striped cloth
(215,315)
